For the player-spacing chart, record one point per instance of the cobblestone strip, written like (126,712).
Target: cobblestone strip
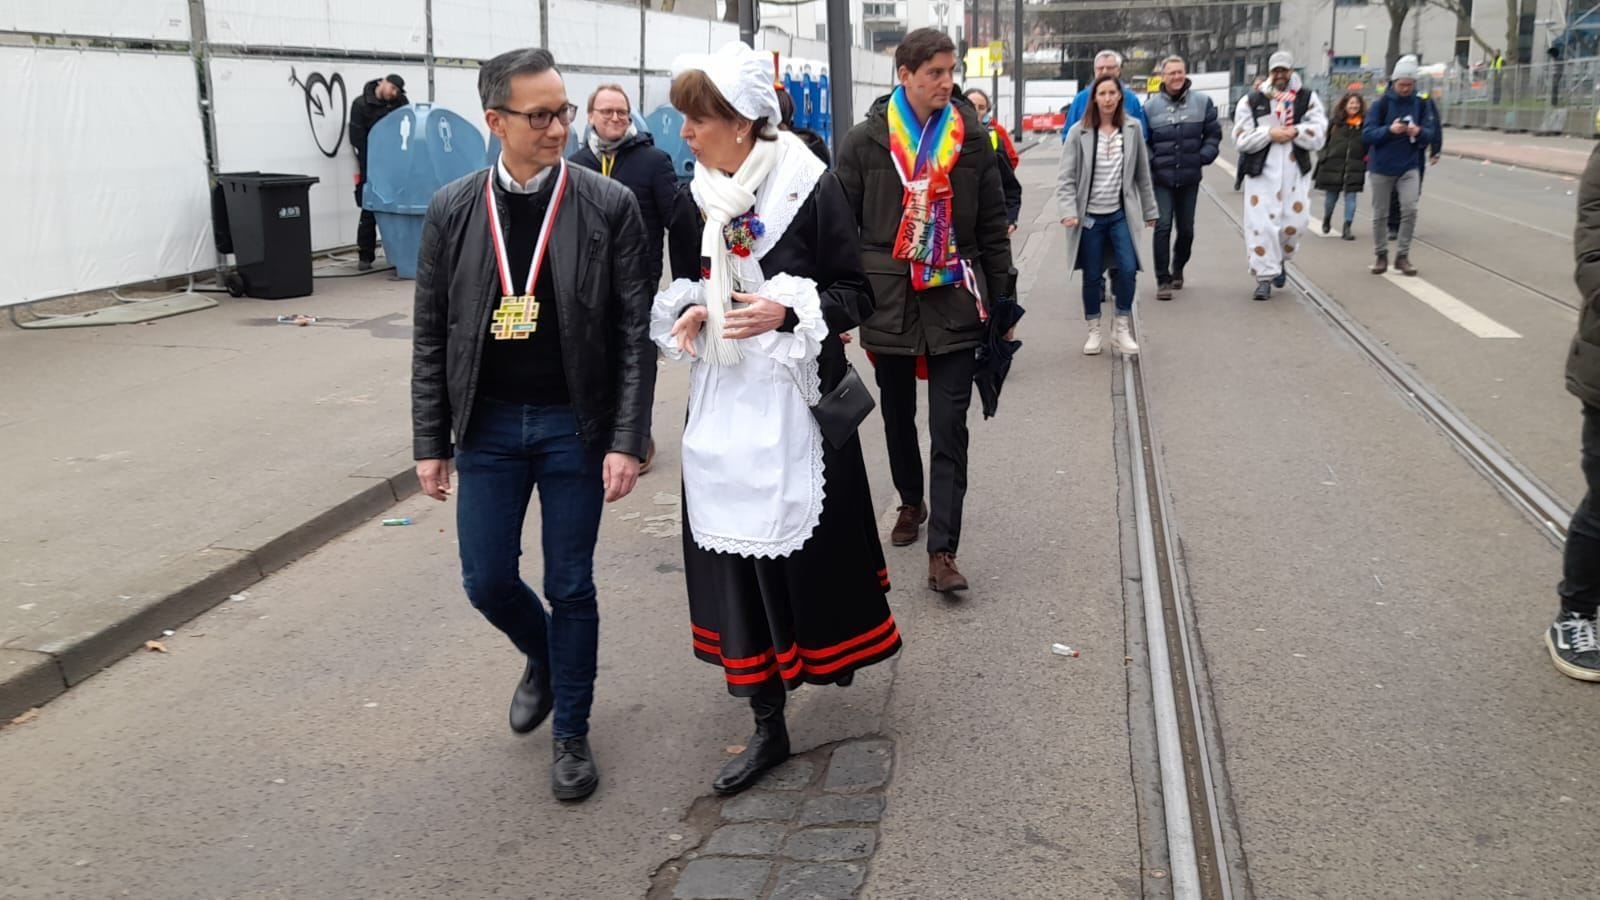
(806,831)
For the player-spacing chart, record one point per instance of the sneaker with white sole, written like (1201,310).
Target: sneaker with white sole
(1096,341)
(1574,646)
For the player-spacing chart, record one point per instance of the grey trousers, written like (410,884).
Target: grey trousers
(1409,187)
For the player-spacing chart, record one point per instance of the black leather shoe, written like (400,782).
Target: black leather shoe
(573,775)
(531,704)
(768,747)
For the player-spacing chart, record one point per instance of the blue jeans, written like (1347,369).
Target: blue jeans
(1107,234)
(510,450)
(1351,201)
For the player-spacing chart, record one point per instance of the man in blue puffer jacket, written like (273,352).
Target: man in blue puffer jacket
(1399,126)
(1183,135)
(1106,62)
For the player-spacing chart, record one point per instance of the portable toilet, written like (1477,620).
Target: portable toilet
(804,102)
(813,86)
(791,83)
(824,114)
(411,154)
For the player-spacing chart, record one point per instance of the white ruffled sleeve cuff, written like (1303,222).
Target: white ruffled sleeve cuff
(665,311)
(805,342)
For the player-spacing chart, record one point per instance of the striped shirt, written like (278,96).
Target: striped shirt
(1105,192)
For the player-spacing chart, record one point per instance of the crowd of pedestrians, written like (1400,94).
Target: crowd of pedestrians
(541,313)
(548,288)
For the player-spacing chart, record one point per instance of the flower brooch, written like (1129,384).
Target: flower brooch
(742,233)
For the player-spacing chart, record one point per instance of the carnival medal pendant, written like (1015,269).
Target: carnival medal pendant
(516,318)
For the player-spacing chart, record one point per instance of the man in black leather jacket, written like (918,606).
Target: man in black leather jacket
(539,364)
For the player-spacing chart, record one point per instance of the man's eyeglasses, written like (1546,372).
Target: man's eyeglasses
(613,113)
(540,119)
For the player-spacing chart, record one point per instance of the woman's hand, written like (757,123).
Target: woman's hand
(687,328)
(1150,223)
(1070,222)
(758,316)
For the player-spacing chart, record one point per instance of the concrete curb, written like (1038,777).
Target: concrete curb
(1535,167)
(40,666)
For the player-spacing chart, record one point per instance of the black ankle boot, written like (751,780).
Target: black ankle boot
(768,747)
(1327,223)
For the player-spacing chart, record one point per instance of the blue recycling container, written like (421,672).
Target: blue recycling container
(411,154)
(666,124)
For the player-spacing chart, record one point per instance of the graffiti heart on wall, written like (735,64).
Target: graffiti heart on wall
(326,113)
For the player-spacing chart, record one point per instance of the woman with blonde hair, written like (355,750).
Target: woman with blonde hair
(786,576)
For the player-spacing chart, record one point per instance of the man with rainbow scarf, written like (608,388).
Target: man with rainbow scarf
(924,184)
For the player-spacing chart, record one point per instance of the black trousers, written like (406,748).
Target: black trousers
(1580,561)
(949,398)
(367,231)
(1177,207)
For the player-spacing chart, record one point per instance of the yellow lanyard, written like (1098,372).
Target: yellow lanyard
(607,163)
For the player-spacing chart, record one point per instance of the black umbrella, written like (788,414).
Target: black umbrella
(995,353)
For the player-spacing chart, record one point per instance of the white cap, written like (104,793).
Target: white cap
(1283,59)
(743,76)
(1405,68)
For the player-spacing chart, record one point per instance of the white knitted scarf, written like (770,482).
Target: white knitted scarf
(723,198)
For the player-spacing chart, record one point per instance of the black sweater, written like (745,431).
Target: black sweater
(527,371)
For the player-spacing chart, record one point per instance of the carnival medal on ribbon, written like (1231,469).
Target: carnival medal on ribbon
(517,316)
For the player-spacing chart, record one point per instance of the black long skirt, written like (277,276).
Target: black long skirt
(814,616)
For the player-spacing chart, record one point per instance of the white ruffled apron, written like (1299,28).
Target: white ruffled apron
(752,452)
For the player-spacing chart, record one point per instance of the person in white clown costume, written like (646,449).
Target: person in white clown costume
(785,572)
(1276,129)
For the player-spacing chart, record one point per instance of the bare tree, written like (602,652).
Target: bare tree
(1513,28)
(1463,14)
(1399,10)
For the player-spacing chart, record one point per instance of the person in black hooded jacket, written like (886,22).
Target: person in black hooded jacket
(380,97)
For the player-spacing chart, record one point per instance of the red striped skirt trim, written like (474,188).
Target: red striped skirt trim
(796,662)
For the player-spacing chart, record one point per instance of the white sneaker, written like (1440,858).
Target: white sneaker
(1122,337)
(1096,340)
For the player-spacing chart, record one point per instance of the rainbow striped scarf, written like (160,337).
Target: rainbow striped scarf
(923,156)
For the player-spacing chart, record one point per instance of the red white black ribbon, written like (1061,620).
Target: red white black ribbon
(502,260)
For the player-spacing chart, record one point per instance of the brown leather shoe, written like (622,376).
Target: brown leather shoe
(1404,266)
(943,575)
(909,525)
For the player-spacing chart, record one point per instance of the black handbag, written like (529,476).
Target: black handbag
(842,410)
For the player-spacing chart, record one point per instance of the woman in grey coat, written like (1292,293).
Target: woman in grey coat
(1104,192)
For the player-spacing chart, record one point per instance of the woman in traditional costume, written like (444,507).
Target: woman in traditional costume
(786,576)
